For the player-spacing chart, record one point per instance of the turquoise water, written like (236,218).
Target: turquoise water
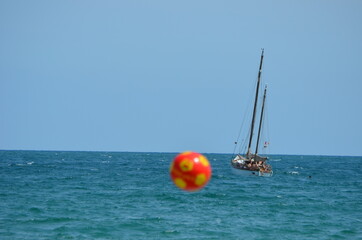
(106,195)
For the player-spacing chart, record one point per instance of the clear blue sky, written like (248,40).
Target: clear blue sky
(174,75)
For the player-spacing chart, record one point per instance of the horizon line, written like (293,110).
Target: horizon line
(125,151)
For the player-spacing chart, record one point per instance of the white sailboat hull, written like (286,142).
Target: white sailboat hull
(244,172)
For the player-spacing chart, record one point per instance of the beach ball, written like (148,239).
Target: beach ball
(190,171)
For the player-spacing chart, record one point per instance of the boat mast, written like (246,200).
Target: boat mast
(261,121)
(255,103)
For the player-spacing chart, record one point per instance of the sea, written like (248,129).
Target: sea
(127,195)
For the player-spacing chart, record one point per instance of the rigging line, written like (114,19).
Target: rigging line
(261,121)
(244,145)
(246,116)
(265,130)
(239,134)
(264,136)
(267,122)
(241,129)
(256,101)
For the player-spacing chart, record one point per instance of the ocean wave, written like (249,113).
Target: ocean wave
(275,160)
(170,231)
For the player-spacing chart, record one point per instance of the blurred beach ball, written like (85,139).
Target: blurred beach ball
(190,171)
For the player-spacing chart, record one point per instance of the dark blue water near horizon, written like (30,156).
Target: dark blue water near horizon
(123,195)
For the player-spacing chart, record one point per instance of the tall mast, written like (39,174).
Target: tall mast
(255,103)
(261,121)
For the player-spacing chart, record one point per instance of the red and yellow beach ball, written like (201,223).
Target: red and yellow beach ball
(190,171)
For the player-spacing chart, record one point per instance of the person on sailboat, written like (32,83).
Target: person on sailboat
(249,165)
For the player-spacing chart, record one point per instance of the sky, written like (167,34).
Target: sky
(171,76)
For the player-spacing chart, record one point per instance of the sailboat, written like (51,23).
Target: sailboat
(251,163)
